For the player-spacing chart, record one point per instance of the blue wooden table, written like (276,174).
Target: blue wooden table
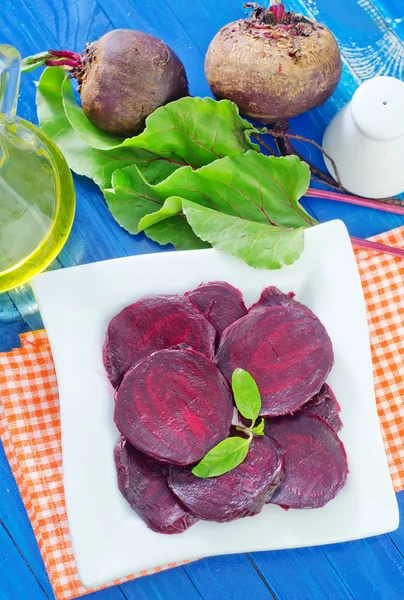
(370,35)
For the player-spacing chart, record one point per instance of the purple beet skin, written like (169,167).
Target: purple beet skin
(315,463)
(325,405)
(143,483)
(241,492)
(174,405)
(154,323)
(219,302)
(287,351)
(272,296)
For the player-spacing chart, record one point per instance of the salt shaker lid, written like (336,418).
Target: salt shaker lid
(378,108)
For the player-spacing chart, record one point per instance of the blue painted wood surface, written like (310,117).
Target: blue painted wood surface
(370,35)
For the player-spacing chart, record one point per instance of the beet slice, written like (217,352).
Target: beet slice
(154,323)
(325,405)
(143,483)
(315,461)
(175,405)
(241,492)
(219,302)
(288,352)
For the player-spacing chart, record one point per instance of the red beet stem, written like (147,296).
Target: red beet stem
(66,54)
(377,204)
(62,62)
(368,245)
(278,10)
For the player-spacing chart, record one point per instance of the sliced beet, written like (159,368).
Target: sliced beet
(174,405)
(241,492)
(315,463)
(325,405)
(220,302)
(143,483)
(272,296)
(288,352)
(154,323)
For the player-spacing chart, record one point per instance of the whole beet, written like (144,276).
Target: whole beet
(274,65)
(124,76)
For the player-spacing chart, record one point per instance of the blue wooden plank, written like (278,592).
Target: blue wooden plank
(367,42)
(361,222)
(11,324)
(113,593)
(19,552)
(393,14)
(158,19)
(16,522)
(16,579)
(397,537)
(167,585)
(371,569)
(96,236)
(231,577)
(301,575)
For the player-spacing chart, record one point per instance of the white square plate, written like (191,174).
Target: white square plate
(76,304)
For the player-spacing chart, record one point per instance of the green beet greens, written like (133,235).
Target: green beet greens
(192,178)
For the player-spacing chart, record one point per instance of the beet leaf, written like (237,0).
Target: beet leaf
(192,178)
(260,246)
(246,205)
(231,452)
(263,189)
(224,457)
(131,200)
(189,131)
(82,158)
(246,394)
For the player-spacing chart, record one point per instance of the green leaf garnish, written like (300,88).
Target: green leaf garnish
(258,429)
(224,457)
(246,394)
(231,452)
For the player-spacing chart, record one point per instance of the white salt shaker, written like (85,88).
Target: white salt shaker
(366,140)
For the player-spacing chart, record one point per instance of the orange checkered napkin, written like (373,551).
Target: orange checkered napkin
(383,286)
(30,432)
(30,424)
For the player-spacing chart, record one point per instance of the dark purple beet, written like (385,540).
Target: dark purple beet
(154,323)
(325,405)
(174,405)
(124,76)
(315,461)
(241,492)
(142,481)
(287,351)
(220,302)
